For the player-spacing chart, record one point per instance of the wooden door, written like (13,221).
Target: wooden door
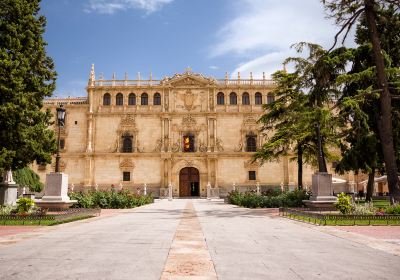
(187,176)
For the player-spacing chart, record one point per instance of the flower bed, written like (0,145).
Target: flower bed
(52,218)
(110,199)
(325,218)
(273,199)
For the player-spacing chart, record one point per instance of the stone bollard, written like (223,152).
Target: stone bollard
(234,187)
(145,189)
(258,188)
(170,192)
(208,190)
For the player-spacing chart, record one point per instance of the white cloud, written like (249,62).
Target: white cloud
(113,6)
(262,31)
(213,67)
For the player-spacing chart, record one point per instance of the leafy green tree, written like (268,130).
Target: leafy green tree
(26,177)
(359,109)
(302,103)
(346,14)
(26,78)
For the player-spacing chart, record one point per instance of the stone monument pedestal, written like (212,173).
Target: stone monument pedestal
(55,192)
(8,189)
(8,194)
(322,192)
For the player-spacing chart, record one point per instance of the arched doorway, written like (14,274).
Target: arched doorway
(189,180)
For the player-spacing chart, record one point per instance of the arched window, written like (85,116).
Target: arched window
(245,98)
(251,143)
(107,99)
(220,98)
(132,99)
(144,99)
(233,98)
(127,141)
(258,98)
(119,99)
(270,98)
(157,99)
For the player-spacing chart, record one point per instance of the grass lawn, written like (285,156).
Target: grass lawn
(378,203)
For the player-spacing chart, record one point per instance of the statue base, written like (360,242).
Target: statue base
(8,194)
(56,192)
(322,192)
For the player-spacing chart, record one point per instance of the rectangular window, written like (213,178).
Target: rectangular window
(188,143)
(126,176)
(252,175)
(62,144)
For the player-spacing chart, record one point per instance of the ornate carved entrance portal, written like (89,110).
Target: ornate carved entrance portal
(189,179)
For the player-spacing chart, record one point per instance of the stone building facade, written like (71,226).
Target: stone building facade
(187,130)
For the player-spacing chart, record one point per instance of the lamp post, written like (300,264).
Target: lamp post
(321,159)
(61,121)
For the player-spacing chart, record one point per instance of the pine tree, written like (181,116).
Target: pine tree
(27,76)
(346,14)
(302,104)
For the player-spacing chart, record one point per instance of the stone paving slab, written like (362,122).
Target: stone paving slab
(131,245)
(246,245)
(199,239)
(188,257)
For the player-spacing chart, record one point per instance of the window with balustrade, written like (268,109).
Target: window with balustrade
(144,99)
(245,98)
(106,99)
(258,98)
(220,98)
(157,99)
(119,99)
(233,98)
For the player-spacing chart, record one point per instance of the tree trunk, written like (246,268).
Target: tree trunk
(385,104)
(370,185)
(300,166)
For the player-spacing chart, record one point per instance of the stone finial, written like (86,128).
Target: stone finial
(138,76)
(151,76)
(263,75)
(92,77)
(251,75)
(101,77)
(238,75)
(188,70)
(113,76)
(226,75)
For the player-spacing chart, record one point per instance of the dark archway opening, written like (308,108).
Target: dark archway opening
(189,182)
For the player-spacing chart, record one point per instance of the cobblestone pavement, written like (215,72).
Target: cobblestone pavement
(199,239)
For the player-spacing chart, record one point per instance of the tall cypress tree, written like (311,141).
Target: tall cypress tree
(27,76)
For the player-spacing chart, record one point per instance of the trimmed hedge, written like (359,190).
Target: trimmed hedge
(109,199)
(274,200)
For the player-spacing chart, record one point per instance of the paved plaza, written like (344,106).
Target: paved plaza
(198,239)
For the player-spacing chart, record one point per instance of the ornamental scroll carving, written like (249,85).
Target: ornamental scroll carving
(127,127)
(126,164)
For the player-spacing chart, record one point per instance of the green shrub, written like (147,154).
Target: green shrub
(109,199)
(6,209)
(272,200)
(363,209)
(25,204)
(344,203)
(393,209)
(26,177)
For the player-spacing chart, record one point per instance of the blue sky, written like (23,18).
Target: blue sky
(166,36)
